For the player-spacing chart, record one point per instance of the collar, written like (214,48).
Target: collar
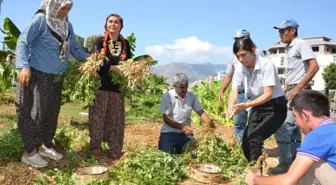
(327,121)
(256,66)
(292,43)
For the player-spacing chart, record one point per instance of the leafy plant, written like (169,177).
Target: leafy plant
(207,93)
(7,73)
(12,33)
(132,42)
(71,139)
(11,144)
(148,166)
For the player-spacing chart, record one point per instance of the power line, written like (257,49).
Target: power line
(172,60)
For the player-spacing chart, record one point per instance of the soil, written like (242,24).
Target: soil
(144,134)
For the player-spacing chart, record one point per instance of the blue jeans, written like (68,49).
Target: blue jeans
(288,138)
(173,142)
(239,120)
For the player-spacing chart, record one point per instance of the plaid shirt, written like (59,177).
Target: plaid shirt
(37,48)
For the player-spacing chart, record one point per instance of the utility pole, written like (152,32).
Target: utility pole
(172,50)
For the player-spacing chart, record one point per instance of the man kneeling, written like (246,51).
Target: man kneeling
(315,162)
(176,107)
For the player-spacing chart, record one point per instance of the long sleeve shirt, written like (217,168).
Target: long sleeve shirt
(38,48)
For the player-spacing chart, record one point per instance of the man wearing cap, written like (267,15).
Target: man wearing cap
(240,119)
(301,67)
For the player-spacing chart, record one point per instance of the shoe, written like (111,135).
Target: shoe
(36,161)
(280,169)
(50,152)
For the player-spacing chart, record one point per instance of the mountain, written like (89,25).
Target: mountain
(193,71)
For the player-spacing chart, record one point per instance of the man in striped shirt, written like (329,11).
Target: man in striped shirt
(316,158)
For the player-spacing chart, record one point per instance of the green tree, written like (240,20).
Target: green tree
(329,76)
(89,42)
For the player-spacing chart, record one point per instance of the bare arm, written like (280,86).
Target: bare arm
(172,123)
(297,170)
(313,68)
(233,97)
(204,116)
(226,82)
(266,96)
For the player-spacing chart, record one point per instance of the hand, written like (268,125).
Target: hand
(249,178)
(115,69)
(239,108)
(230,112)
(293,93)
(24,77)
(221,96)
(187,130)
(285,88)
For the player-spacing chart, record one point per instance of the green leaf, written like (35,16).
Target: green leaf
(11,28)
(3,54)
(2,70)
(10,42)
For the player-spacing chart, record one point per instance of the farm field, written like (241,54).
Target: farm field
(72,140)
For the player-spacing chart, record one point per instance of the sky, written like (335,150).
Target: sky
(198,31)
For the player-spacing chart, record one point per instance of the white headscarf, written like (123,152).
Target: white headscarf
(61,27)
(43,4)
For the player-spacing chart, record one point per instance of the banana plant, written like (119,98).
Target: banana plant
(12,33)
(7,71)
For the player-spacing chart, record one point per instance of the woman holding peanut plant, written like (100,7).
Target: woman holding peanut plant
(42,55)
(259,79)
(107,115)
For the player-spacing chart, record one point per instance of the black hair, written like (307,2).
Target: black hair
(40,11)
(243,43)
(313,101)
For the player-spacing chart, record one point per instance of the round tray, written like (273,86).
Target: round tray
(86,174)
(205,172)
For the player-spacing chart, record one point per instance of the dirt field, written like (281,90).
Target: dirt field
(136,134)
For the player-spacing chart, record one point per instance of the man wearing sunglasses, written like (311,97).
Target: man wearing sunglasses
(300,66)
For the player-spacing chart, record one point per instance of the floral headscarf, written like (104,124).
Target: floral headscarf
(61,27)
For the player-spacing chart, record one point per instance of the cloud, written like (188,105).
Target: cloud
(190,50)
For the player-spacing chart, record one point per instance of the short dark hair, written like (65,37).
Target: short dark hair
(313,101)
(243,43)
(40,11)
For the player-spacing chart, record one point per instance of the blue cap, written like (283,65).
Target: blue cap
(242,33)
(287,23)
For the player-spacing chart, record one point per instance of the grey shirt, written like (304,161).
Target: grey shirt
(232,65)
(297,55)
(264,75)
(178,109)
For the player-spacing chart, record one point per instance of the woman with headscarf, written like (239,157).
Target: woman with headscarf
(42,54)
(107,115)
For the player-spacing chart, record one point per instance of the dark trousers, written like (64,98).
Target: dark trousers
(37,109)
(264,121)
(173,143)
(107,122)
